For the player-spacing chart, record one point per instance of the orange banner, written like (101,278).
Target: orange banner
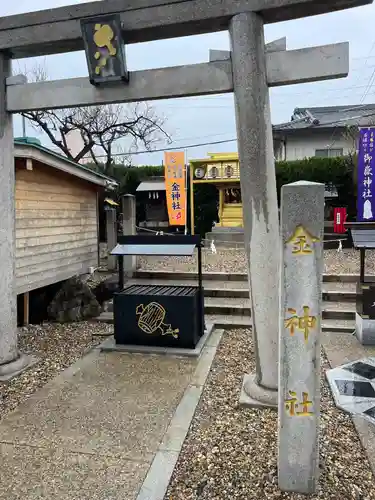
(174,171)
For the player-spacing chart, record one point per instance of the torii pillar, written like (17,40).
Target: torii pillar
(11,361)
(259,199)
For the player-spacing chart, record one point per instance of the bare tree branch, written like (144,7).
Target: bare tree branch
(104,130)
(84,152)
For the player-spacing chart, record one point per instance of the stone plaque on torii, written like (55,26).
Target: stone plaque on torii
(248,71)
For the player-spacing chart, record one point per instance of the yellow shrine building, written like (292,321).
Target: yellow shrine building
(222,170)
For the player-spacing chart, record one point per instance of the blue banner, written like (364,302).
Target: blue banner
(365,172)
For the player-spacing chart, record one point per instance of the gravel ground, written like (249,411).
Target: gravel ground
(57,346)
(345,262)
(230,453)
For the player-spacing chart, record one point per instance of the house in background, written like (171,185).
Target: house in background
(321,132)
(56,216)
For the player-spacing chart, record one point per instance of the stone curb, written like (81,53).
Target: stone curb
(229,322)
(157,480)
(109,345)
(224,276)
(366,433)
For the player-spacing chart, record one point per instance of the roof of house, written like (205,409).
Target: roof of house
(214,158)
(329,117)
(152,184)
(29,147)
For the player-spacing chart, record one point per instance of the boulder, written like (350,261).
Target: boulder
(73,302)
(105,290)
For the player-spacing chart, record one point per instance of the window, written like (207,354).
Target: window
(329,153)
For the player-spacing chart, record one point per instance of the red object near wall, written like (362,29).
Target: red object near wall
(339,220)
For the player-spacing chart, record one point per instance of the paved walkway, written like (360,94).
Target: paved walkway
(111,426)
(341,348)
(93,432)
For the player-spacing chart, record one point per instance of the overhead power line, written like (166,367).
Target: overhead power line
(189,146)
(169,149)
(211,143)
(363,57)
(275,98)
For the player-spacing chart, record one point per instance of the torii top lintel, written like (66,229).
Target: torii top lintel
(58,30)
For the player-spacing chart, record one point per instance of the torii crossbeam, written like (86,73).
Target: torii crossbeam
(216,77)
(58,30)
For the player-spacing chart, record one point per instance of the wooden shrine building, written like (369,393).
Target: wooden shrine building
(222,170)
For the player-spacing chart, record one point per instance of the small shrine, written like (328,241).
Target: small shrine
(222,170)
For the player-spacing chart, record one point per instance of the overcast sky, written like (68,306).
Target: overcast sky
(211,118)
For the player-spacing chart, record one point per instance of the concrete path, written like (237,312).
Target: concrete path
(93,432)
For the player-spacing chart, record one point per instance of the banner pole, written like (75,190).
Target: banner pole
(365,173)
(175,190)
(186,190)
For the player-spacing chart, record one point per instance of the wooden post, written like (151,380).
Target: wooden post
(221,204)
(192,231)
(98,227)
(362,272)
(111,238)
(26,308)
(302,229)
(128,228)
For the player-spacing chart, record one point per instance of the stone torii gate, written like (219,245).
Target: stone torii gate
(248,71)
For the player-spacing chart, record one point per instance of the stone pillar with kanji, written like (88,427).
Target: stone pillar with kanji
(302,228)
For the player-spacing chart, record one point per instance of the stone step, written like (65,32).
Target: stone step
(338,310)
(341,326)
(329,235)
(238,321)
(188,275)
(339,292)
(219,305)
(241,307)
(237,277)
(227,306)
(239,289)
(233,321)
